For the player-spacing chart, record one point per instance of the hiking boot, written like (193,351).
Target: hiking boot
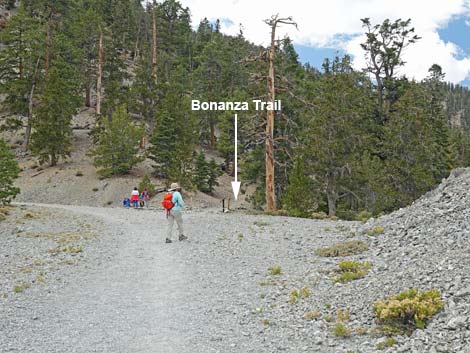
(182,237)
(168,241)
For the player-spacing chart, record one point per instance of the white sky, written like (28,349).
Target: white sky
(319,22)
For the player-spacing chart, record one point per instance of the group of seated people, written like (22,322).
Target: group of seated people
(137,199)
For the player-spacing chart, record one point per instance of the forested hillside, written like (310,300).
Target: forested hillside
(345,142)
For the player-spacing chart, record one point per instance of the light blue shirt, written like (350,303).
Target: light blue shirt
(177,201)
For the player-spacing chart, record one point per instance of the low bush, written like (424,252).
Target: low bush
(341,330)
(347,248)
(375,231)
(351,270)
(363,216)
(275,270)
(312,315)
(319,215)
(411,309)
(389,342)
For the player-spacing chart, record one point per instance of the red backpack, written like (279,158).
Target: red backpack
(167,203)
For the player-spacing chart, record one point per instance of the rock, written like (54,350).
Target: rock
(457,322)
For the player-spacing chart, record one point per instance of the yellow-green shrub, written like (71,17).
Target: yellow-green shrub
(408,310)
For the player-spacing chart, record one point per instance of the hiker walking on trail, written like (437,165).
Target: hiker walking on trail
(173,203)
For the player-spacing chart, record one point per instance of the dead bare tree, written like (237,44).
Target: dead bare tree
(273,22)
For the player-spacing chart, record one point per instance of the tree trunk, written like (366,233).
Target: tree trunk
(270,192)
(53,160)
(88,96)
(100,74)
(154,47)
(331,195)
(212,128)
(48,44)
(29,124)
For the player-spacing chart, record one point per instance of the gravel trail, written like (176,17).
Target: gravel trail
(138,294)
(128,291)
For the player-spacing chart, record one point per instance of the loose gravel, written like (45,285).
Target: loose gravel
(127,291)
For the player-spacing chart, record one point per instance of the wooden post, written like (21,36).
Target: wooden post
(228,204)
(223,205)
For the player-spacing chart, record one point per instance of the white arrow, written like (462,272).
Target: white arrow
(236,183)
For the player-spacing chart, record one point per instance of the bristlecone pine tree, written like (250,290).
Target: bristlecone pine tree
(118,148)
(9,171)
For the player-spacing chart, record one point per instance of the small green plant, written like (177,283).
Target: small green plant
(265,322)
(312,315)
(260,223)
(343,315)
(327,229)
(267,283)
(258,310)
(20,288)
(341,330)
(351,270)
(79,173)
(295,295)
(328,318)
(305,292)
(95,189)
(275,270)
(347,248)
(408,310)
(363,216)
(389,342)
(240,237)
(375,231)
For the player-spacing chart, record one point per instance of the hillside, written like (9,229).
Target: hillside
(77,181)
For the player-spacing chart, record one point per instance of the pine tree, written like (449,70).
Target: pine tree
(301,196)
(201,172)
(20,69)
(118,149)
(9,171)
(213,174)
(52,135)
(174,137)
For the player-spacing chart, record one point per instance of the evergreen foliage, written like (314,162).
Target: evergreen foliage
(201,172)
(345,141)
(118,149)
(146,183)
(175,137)
(9,171)
(51,138)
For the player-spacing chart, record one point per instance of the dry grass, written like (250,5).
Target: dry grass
(347,248)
